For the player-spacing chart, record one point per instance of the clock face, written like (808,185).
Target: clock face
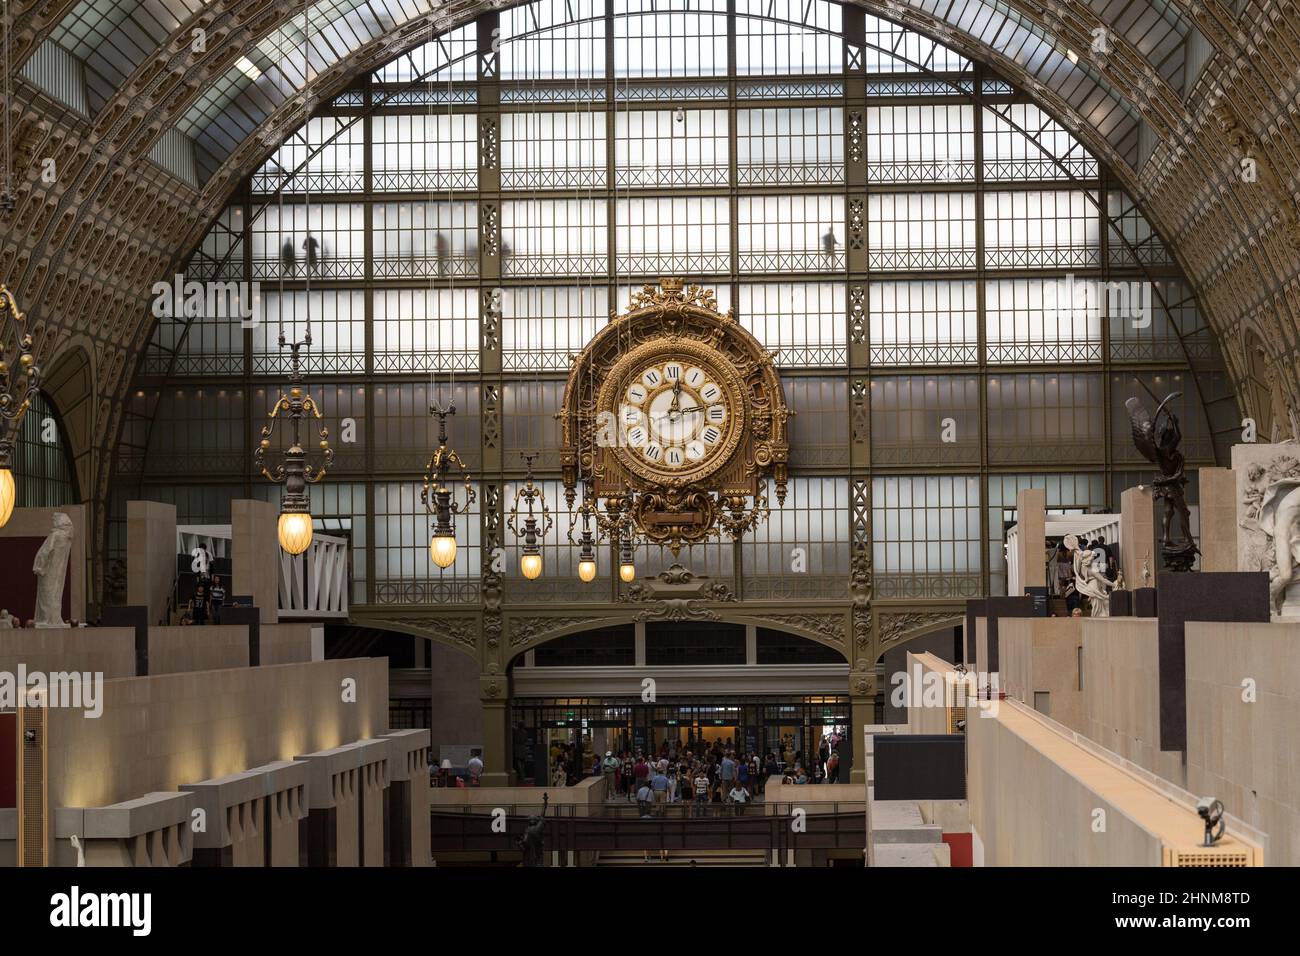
(677,414)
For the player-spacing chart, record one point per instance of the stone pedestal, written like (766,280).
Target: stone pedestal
(151,556)
(1139,556)
(1239,596)
(255,555)
(1031,517)
(1218,489)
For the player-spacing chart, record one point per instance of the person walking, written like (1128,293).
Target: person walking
(727,773)
(608,767)
(701,793)
(216,598)
(628,776)
(475,768)
(833,767)
(659,784)
(738,797)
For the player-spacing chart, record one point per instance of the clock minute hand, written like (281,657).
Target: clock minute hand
(683,411)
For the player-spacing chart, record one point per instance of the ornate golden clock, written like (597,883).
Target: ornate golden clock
(675,414)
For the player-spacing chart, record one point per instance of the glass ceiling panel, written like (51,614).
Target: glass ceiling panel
(996,25)
(273,71)
(113,38)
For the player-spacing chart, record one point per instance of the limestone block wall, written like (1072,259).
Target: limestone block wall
(408,798)
(346,814)
(255,555)
(162,731)
(372,782)
(173,650)
(1247,752)
(1041,655)
(151,549)
(1036,790)
(103,650)
(1121,700)
(929,714)
(285,643)
(284,810)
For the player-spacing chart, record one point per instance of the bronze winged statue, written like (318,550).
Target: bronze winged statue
(1157,437)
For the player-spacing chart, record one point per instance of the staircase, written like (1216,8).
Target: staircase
(683,858)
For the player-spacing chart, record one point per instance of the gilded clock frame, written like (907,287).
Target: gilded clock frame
(675,320)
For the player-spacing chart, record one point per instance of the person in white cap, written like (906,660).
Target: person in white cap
(608,767)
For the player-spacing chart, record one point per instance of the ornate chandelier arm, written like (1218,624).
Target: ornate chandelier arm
(21,383)
(739,521)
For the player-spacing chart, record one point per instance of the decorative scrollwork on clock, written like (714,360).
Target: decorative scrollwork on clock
(677,411)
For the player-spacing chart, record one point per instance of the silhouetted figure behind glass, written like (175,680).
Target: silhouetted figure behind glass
(288,258)
(311,250)
(443,248)
(829,242)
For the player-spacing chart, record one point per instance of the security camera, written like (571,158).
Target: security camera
(29,736)
(1211,811)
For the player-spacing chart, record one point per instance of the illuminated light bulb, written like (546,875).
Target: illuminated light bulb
(7,495)
(530,566)
(627,572)
(442,549)
(295,532)
(587,570)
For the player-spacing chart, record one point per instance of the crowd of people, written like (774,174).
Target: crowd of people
(706,776)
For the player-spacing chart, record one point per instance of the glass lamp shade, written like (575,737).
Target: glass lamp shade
(295,532)
(7,495)
(627,572)
(442,549)
(530,566)
(587,570)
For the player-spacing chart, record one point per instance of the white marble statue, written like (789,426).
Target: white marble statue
(51,570)
(1090,576)
(6,620)
(1268,514)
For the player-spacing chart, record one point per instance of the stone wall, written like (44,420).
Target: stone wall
(1243,726)
(159,732)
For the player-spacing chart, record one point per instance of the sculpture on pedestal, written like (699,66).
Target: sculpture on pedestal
(51,570)
(1157,437)
(1089,561)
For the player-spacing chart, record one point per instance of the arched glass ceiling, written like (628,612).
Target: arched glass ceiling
(113,38)
(272,72)
(1156,29)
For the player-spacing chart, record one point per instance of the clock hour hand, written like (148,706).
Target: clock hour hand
(682,411)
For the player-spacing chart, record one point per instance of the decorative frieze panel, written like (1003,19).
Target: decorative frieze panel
(828,628)
(897,627)
(535,630)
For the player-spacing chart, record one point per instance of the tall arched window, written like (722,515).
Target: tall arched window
(959,295)
(42,467)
